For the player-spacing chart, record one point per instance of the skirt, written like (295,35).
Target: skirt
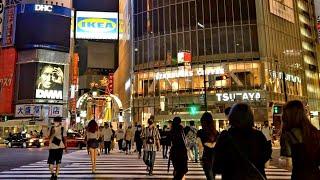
(93,143)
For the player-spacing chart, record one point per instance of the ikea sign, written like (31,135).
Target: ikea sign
(96,25)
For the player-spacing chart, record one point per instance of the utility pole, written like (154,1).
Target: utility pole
(205,88)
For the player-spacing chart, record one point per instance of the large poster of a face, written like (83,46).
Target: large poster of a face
(49,83)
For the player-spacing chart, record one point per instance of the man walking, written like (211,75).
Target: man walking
(267,132)
(107,137)
(120,138)
(151,142)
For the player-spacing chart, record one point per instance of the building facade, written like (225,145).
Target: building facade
(210,54)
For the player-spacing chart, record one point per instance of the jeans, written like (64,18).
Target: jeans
(165,151)
(194,148)
(120,144)
(107,147)
(149,157)
(139,147)
(207,163)
(128,144)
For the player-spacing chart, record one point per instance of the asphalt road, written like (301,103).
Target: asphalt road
(15,157)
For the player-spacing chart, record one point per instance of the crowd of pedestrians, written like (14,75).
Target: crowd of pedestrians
(240,152)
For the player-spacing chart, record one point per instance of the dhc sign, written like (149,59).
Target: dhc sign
(43,8)
(49,94)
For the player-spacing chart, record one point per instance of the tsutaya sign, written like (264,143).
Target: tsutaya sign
(244,96)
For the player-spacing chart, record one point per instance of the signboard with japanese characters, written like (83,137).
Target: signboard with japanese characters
(38,110)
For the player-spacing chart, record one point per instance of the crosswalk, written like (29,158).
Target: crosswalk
(77,165)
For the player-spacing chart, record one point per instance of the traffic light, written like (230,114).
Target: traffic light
(277,109)
(194,109)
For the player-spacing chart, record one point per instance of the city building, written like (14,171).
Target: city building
(210,54)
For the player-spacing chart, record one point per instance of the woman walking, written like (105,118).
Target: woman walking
(138,140)
(178,152)
(57,142)
(301,142)
(241,152)
(93,142)
(165,141)
(208,136)
(128,138)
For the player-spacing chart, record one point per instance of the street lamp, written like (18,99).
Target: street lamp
(94,95)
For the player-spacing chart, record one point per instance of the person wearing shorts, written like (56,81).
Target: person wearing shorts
(57,139)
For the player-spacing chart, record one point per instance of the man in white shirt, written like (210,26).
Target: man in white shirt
(120,137)
(57,142)
(107,137)
(267,132)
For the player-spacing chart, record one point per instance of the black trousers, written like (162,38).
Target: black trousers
(165,151)
(120,144)
(107,147)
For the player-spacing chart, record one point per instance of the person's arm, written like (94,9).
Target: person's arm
(65,140)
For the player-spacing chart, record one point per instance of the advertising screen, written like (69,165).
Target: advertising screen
(96,25)
(43,27)
(49,84)
(7,78)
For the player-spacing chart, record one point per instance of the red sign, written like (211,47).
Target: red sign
(109,87)
(75,69)
(8,59)
(9,27)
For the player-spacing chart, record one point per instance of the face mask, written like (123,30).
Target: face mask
(139,129)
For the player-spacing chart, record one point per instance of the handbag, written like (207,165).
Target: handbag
(252,172)
(56,141)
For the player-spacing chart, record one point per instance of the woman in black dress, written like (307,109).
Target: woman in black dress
(178,152)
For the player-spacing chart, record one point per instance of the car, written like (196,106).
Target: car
(23,140)
(74,139)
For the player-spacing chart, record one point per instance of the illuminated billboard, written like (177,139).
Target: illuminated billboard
(283,9)
(42,26)
(49,84)
(96,25)
(317,8)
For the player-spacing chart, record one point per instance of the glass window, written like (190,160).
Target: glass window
(206,7)
(173,18)
(223,40)
(180,17)
(186,22)
(145,24)
(194,50)
(162,48)
(231,45)
(201,42)
(229,12)
(161,21)
(236,12)
(180,42)
(174,46)
(199,12)
(208,42)
(238,39)
(221,11)
(187,41)
(155,21)
(214,13)
(254,38)
(193,18)
(246,39)
(167,19)
(244,12)
(252,11)
(215,41)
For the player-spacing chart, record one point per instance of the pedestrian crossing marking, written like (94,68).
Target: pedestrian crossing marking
(77,165)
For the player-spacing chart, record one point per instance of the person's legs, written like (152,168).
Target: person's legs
(163,151)
(152,160)
(208,171)
(57,169)
(94,160)
(92,153)
(120,144)
(195,151)
(106,147)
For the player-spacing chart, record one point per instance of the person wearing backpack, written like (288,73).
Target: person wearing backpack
(57,142)
(151,143)
(191,137)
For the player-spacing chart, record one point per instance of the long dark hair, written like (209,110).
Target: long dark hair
(93,126)
(176,125)
(208,126)
(295,116)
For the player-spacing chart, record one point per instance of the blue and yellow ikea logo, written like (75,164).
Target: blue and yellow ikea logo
(96,25)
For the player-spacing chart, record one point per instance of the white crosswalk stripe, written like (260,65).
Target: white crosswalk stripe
(77,165)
